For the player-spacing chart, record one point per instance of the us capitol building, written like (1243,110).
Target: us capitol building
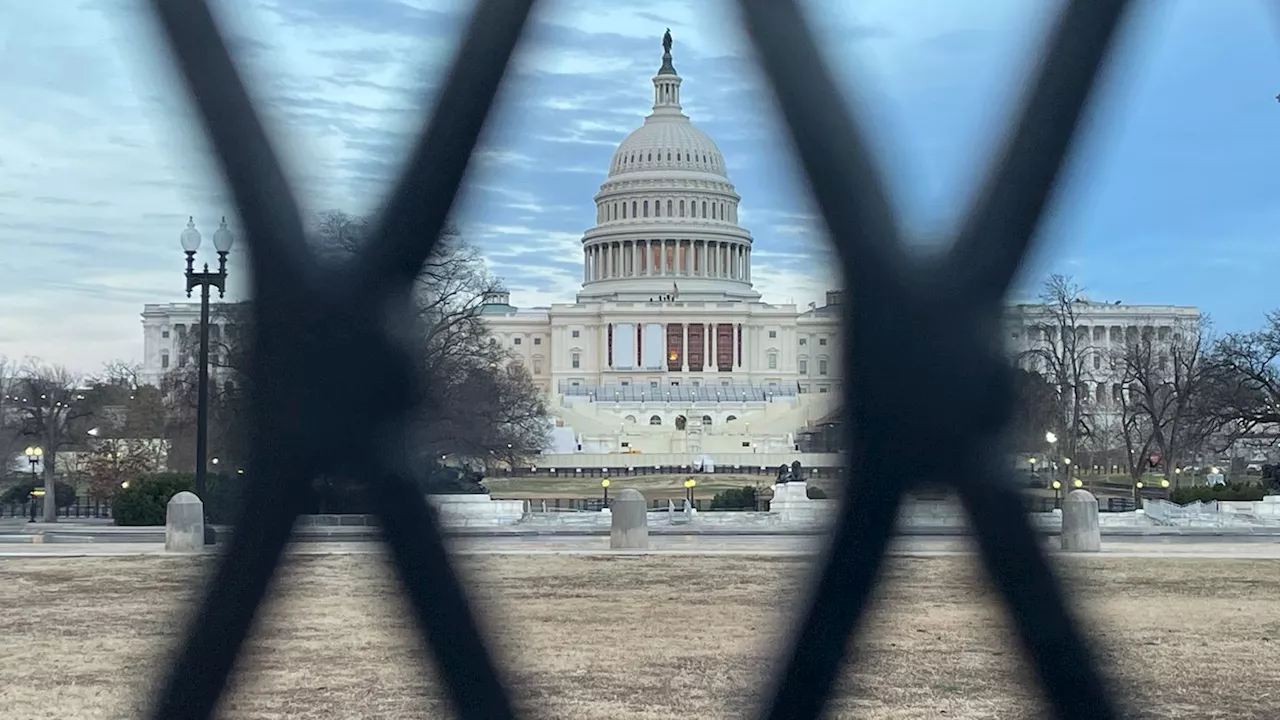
(668,349)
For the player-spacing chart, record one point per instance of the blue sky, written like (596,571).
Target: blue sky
(1171,198)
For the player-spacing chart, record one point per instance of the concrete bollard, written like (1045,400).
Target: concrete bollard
(630,528)
(184,523)
(1080,529)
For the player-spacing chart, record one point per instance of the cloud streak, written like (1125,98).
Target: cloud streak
(102,160)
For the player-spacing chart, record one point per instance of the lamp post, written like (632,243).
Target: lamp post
(688,490)
(222,242)
(605,485)
(33,459)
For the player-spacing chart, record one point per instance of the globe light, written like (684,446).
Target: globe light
(190,237)
(222,238)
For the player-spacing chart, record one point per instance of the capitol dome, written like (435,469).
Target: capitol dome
(667,214)
(666,143)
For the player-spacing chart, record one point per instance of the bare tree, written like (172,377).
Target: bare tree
(1165,373)
(53,412)
(9,434)
(229,331)
(1242,384)
(1062,351)
(482,405)
(114,461)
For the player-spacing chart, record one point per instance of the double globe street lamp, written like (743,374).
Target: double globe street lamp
(33,459)
(205,279)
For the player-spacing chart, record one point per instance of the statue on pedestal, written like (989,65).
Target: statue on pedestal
(784,474)
(666,42)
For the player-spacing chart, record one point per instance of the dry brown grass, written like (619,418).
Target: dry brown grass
(651,637)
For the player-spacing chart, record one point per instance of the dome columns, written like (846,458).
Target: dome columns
(666,257)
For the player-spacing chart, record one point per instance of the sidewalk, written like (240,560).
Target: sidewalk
(742,546)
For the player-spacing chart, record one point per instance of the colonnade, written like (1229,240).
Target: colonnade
(667,258)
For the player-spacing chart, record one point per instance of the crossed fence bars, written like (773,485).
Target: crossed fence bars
(329,370)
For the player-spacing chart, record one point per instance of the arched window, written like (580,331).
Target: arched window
(681,422)
(650,157)
(681,208)
(669,213)
(655,420)
(704,208)
(657,208)
(713,211)
(633,209)
(706,420)
(677,157)
(646,208)
(630,419)
(731,418)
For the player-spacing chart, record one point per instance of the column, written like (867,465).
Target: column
(747,256)
(684,349)
(739,345)
(711,332)
(635,258)
(708,363)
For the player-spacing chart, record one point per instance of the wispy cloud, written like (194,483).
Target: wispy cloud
(102,158)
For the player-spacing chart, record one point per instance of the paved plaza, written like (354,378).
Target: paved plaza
(1224,547)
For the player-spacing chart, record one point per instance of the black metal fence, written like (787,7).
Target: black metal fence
(330,378)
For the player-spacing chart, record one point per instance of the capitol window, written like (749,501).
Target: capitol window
(164,334)
(164,360)
(773,361)
(706,420)
(822,342)
(537,341)
(681,208)
(515,341)
(773,333)
(822,367)
(704,208)
(803,367)
(646,208)
(573,333)
(576,360)
(655,420)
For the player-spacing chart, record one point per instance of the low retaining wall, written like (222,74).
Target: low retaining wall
(791,508)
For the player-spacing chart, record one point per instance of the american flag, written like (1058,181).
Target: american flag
(675,289)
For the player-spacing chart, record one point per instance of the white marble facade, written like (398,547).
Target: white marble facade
(667,347)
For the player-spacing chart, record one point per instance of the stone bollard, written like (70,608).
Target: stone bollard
(1080,529)
(184,523)
(630,529)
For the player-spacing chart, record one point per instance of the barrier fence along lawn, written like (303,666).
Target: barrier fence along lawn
(327,377)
